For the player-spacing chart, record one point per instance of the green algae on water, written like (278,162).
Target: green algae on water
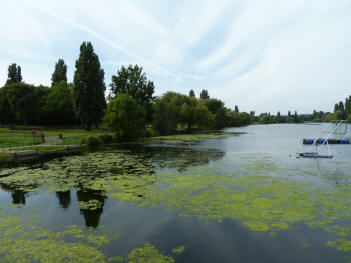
(23,242)
(178,250)
(260,195)
(148,254)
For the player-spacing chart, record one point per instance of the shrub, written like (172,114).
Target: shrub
(92,142)
(125,117)
(106,138)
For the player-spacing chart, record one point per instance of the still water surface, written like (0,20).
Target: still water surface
(243,197)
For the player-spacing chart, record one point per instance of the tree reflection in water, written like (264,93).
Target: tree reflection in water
(64,198)
(91,203)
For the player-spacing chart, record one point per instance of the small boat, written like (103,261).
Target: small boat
(312,155)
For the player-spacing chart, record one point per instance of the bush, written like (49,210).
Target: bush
(150,132)
(92,142)
(125,117)
(106,138)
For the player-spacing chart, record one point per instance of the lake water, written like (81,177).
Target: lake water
(241,197)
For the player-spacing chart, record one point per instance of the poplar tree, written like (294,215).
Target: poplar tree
(60,73)
(14,74)
(204,94)
(89,87)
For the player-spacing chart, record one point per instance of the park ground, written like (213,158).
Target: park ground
(21,138)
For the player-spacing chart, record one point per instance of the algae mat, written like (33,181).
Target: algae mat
(175,205)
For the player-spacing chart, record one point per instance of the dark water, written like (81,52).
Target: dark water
(242,198)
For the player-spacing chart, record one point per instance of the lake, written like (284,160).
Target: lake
(240,196)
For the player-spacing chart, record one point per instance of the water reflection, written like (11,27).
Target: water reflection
(64,198)
(91,203)
(264,192)
(18,195)
(117,166)
(180,158)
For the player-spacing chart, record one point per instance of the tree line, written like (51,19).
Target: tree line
(342,111)
(129,107)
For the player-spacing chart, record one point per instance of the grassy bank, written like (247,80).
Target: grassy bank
(21,138)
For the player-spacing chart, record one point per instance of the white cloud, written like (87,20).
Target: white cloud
(264,55)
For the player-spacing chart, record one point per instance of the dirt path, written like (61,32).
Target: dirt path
(51,140)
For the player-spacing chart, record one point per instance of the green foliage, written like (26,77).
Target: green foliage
(58,105)
(202,116)
(132,81)
(167,112)
(234,119)
(191,93)
(214,105)
(6,114)
(165,117)
(60,73)
(14,74)
(125,117)
(338,115)
(187,111)
(349,118)
(245,118)
(204,94)
(265,119)
(89,87)
(221,118)
(217,108)
(341,110)
(20,102)
(93,142)
(236,109)
(195,112)
(106,138)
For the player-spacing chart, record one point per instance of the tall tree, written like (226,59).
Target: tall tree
(194,111)
(204,94)
(14,74)
(191,93)
(296,118)
(7,116)
(132,81)
(214,105)
(22,102)
(60,72)
(167,112)
(341,106)
(279,117)
(89,87)
(236,109)
(58,104)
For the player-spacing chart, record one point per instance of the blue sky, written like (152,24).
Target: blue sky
(260,55)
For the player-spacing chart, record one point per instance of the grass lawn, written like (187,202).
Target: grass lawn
(23,136)
(48,148)
(15,137)
(4,155)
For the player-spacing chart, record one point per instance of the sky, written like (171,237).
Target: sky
(265,56)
